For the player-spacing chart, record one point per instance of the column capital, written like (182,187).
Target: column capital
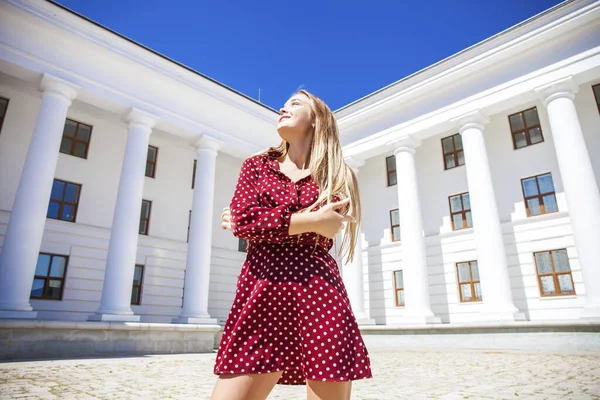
(206,142)
(473,119)
(140,118)
(564,87)
(354,163)
(405,144)
(50,85)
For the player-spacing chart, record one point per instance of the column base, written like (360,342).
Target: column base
(195,320)
(362,319)
(114,318)
(420,320)
(591,312)
(496,316)
(9,314)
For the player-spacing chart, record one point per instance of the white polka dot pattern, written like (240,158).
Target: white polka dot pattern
(291,311)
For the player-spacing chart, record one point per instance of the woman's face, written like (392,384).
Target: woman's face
(295,118)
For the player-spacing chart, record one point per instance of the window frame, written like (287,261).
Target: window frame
(63,202)
(397,289)
(75,140)
(194,173)
(393,226)
(539,195)
(146,233)
(525,129)
(47,278)
(3,116)
(454,152)
(463,212)
(154,163)
(471,282)
(390,171)
(593,92)
(138,301)
(554,275)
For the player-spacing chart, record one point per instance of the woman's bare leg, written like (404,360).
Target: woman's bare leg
(245,387)
(318,390)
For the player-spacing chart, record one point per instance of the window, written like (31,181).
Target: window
(395,224)
(136,290)
(64,200)
(469,286)
(151,161)
(399,288)
(454,155)
(242,246)
(194,173)
(390,165)
(525,128)
(145,217)
(3,108)
(538,192)
(554,273)
(595,88)
(189,225)
(460,211)
(49,279)
(76,139)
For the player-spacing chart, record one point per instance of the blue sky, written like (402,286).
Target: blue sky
(339,50)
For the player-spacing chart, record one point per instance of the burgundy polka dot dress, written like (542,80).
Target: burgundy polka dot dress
(291,311)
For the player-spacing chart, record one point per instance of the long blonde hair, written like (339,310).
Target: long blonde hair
(334,178)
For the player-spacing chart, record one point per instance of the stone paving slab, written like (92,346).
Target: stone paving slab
(398,374)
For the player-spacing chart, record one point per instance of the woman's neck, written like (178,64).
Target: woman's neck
(298,153)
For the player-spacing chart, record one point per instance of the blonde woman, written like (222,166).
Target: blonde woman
(291,320)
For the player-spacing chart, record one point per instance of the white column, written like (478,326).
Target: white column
(197,272)
(115,304)
(414,259)
(26,225)
(353,273)
(579,183)
(491,255)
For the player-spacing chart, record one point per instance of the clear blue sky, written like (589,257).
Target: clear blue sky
(339,50)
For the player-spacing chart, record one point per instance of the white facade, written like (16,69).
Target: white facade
(133,97)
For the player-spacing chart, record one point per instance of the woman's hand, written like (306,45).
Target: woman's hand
(328,222)
(226,219)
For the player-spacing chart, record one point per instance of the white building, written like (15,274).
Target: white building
(479,178)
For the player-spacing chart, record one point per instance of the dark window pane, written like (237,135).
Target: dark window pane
(447,144)
(134,295)
(458,221)
(531,117)
(143,227)
(520,140)
(469,219)
(516,123)
(149,170)
(43,265)
(393,179)
(145,209)
(53,209)
(396,233)
(565,283)
(475,270)
(391,163)
(137,276)
(72,194)
(83,133)
(152,154)
(466,201)
(54,287)
(70,128)
(399,279)
(58,267)
(561,261)
(548,285)
(80,149)
(535,135)
(194,173)
(466,292)
(458,142)
(450,161)
(530,187)
(68,213)
(597,93)
(58,189)
(395,217)
(550,203)
(545,183)
(463,272)
(455,204)
(3,104)
(37,289)
(242,245)
(65,145)
(534,206)
(543,263)
(461,158)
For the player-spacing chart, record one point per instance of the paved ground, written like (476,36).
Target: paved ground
(444,375)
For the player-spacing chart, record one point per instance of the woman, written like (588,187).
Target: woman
(291,320)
